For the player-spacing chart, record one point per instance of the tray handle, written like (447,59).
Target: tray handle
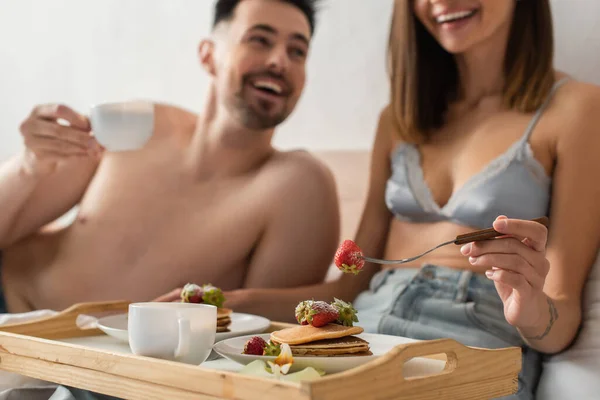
(64,324)
(469,373)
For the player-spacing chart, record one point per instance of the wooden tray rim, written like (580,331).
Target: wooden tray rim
(468,371)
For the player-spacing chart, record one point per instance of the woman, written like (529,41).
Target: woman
(479,126)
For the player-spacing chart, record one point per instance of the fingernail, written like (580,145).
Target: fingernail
(472,260)
(466,249)
(500,224)
(489,273)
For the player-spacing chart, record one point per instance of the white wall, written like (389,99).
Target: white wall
(84,51)
(577,36)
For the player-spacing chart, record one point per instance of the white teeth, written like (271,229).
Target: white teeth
(454,16)
(268,85)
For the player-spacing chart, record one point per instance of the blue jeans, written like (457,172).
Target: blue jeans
(3,308)
(436,302)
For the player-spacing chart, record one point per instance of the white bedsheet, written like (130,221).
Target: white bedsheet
(16,387)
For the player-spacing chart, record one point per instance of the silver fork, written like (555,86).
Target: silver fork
(484,234)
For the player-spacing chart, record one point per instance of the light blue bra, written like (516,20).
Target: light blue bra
(514,184)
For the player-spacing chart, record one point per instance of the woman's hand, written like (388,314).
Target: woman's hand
(518,266)
(173,295)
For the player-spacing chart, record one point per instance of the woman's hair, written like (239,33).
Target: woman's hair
(424,76)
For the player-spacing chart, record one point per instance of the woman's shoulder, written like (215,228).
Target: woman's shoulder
(573,119)
(575,107)
(387,129)
(576,97)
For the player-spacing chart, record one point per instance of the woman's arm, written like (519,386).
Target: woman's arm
(542,274)
(279,304)
(574,236)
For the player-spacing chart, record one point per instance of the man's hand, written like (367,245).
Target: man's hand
(173,295)
(53,133)
(518,266)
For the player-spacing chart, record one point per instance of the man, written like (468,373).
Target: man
(207,200)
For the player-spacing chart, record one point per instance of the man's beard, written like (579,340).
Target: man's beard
(256,114)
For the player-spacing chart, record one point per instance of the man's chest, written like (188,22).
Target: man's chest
(160,212)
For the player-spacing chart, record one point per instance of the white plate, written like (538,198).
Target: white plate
(115,326)
(241,324)
(379,344)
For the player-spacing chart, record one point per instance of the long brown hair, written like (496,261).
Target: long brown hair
(424,76)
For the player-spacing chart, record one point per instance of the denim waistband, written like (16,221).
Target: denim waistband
(3,308)
(463,279)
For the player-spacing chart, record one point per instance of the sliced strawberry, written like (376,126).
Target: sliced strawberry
(212,295)
(195,299)
(191,293)
(315,313)
(207,294)
(349,258)
(302,310)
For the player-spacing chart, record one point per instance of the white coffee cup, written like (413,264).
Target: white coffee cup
(123,126)
(183,332)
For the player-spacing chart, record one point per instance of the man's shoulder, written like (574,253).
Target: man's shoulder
(173,119)
(302,165)
(300,184)
(300,177)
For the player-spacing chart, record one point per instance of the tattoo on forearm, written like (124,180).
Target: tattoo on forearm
(553,318)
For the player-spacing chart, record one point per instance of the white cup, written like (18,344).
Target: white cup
(183,332)
(122,126)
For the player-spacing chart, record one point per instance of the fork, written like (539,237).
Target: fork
(476,236)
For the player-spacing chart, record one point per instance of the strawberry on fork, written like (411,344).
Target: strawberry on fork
(349,258)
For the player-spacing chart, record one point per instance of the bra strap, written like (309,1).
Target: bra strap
(540,111)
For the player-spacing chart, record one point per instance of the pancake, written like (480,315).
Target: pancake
(223,319)
(223,312)
(349,345)
(223,323)
(327,341)
(307,333)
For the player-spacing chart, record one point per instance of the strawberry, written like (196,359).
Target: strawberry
(207,294)
(347,313)
(255,346)
(349,258)
(272,349)
(191,293)
(315,313)
(302,309)
(213,295)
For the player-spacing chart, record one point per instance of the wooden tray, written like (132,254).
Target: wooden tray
(31,349)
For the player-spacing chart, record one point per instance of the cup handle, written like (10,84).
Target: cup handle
(183,346)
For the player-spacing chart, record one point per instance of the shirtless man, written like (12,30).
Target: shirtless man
(207,200)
